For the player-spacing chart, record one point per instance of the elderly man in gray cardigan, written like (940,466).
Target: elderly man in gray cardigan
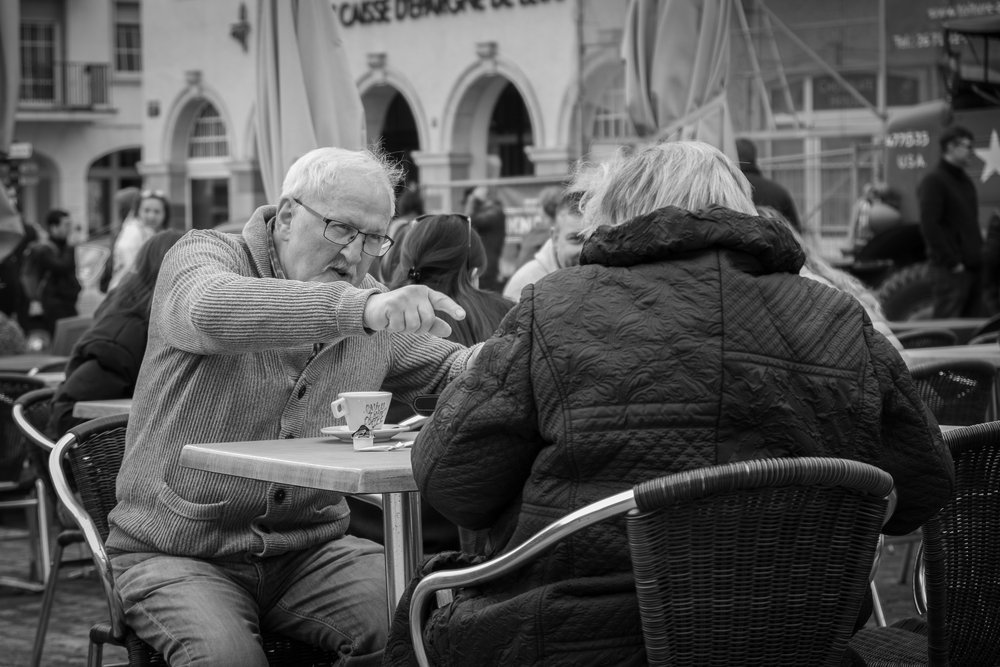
(251,338)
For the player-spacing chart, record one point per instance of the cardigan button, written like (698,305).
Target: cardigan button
(279,496)
(302,391)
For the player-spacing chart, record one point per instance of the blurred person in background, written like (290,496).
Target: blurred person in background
(548,202)
(51,264)
(991,265)
(490,222)
(409,205)
(685,338)
(765,191)
(151,214)
(949,222)
(561,250)
(13,301)
(105,361)
(126,200)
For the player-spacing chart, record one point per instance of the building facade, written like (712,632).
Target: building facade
(511,93)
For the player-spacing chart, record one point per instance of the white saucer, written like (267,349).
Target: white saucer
(386,432)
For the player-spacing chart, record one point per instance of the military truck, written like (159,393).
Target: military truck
(886,249)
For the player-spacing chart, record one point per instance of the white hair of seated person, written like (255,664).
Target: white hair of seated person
(691,175)
(316,173)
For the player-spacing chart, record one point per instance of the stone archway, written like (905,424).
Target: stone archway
(390,121)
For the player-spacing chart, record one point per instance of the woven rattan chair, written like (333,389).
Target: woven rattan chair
(958,595)
(927,338)
(31,414)
(992,325)
(21,485)
(760,562)
(90,455)
(959,392)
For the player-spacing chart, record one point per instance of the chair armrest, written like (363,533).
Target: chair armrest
(510,561)
(18,411)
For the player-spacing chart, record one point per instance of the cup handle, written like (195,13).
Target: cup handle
(337,407)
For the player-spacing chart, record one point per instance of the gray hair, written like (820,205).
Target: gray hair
(691,175)
(317,172)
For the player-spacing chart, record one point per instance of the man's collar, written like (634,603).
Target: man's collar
(276,268)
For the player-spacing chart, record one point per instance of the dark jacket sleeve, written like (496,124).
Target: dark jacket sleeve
(931,196)
(55,262)
(105,364)
(472,458)
(913,451)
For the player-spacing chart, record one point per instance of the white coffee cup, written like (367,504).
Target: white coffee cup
(362,407)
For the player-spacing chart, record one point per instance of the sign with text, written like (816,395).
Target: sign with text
(916,24)
(369,12)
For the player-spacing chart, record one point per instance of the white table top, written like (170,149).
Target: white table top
(53,379)
(105,408)
(920,355)
(318,463)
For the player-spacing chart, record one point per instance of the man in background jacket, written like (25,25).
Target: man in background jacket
(949,222)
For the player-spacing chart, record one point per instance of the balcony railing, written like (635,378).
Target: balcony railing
(66,86)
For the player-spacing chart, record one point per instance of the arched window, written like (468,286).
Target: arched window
(208,134)
(611,121)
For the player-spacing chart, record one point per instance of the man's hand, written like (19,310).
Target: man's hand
(411,309)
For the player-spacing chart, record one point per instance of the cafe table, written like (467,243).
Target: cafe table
(920,355)
(25,363)
(333,465)
(103,408)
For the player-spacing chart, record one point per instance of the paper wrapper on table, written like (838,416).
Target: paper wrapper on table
(363,437)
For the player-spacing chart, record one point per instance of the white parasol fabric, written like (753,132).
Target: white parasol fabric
(306,96)
(11,228)
(676,56)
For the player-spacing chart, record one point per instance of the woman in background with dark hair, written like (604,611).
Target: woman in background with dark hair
(445,253)
(105,362)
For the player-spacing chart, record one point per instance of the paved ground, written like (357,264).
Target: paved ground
(79,603)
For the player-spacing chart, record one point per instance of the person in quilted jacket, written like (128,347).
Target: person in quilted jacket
(105,361)
(679,342)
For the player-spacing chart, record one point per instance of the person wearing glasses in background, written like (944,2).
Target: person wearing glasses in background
(251,337)
(949,222)
(150,214)
(560,251)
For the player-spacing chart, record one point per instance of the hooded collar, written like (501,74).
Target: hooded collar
(671,232)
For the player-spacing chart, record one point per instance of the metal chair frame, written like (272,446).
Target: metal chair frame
(915,338)
(649,498)
(22,412)
(31,496)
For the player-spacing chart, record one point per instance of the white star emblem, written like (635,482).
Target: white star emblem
(990,157)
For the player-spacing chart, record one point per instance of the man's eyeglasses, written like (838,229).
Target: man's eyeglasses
(342,233)
(153,193)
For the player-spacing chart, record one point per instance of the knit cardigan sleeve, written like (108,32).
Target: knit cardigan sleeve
(210,299)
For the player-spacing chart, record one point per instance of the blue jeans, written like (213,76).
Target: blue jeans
(199,612)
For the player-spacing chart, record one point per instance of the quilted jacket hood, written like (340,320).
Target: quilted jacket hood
(670,232)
